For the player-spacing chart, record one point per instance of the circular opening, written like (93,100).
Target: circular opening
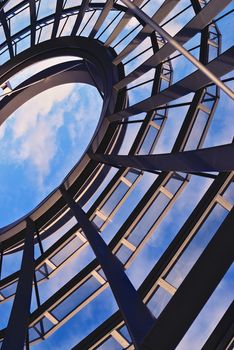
(41,142)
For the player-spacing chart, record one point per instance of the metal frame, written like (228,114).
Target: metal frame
(94,191)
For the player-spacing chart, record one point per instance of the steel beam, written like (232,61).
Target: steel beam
(104,13)
(32,8)
(171,254)
(194,291)
(222,65)
(222,336)
(58,13)
(121,25)
(125,294)
(213,77)
(80,16)
(218,158)
(18,323)
(101,57)
(193,27)
(7,33)
(160,14)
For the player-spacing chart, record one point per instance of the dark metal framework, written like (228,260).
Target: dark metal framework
(120,52)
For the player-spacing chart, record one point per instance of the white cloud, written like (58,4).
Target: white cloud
(34,131)
(31,136)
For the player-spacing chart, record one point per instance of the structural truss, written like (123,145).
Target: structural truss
(125,50)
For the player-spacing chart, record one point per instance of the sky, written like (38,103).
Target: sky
(44,139)
(41,142)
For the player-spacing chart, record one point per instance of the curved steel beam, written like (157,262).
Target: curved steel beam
(64,73)
(101,58)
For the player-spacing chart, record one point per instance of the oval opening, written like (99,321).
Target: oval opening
(41,142)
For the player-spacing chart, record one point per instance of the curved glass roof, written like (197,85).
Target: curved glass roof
(114,145)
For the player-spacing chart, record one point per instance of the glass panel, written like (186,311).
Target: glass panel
(116,17)
(39,275)
(47,324)
(49,241)
(10,4)
(87,27)
(164,84)
(196,247)
(72,3)
(229,193)
(208,101)
(98,221)
(148,220)
(114,199)
(173,185)
(68,26)
(9,290)
(20,21)
(148,141)
(131,176)
(46,10)
(101,272)
(158,302)
(76,298)
(11,263)
(4,55)
(33,334)
(138,117)
(212,35)
(130,135)
(124,331)
(210,315)
(23,44)
(197,130)
(213,52)
(109,176)
(43,272)
(45,32)
(159,117)
(123,254)
(212,90)
(110,344)
(2,35)
(5,311)
(67,251)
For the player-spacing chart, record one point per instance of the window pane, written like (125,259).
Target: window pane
(67,251)
(76,298)
(110,344)
(196,247)
(158,302)
(148,219)
(114,199)
(148,141)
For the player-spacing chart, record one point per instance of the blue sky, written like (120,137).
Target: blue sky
(43,140)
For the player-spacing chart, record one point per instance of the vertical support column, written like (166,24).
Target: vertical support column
(18,323)
(136,315)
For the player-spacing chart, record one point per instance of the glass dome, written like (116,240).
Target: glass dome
(125,239)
